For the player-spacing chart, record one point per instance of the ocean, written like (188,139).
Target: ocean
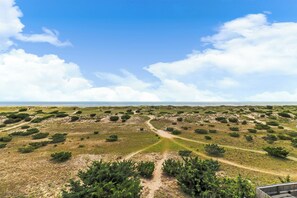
(94,104)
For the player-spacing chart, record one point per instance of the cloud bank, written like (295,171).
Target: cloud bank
(248,58)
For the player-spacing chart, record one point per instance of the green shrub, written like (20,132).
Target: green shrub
(125,117)
(176,132)
(37,145)
(184,153)
(40,119)
(39,135)
(106,179)
(61,156)
(5,139)
(244,122)
(92,115)
(107,111)
(23,109)
(292,134)
(252,130)
(201,131)
(214,149)
(279,152)
(74,118)
(260,126)
(78,112)
(25,127)
(234,120)
(171,167)
(270,138)
(58,137)
(234,128)
(248,138)
(270,131)
(170,129)
(234,134)
(212,131)
(294,142)
(272,123)
(61,115)
(2,145)
(284,137)
(2,125)
(114,118)
(96,132)
(179,119)
(112,138)
(284,114)
(146,169)
(26,149)
(207,137)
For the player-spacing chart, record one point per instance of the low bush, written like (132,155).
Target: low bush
(207,137)
(279,152)
(37,145)
(294,142)
(214,149)
(234,128)
(170,129)
(74,118)
(40,119)
(96,132)
(212,131)
(114,118)
(112,138)
(78,112)
(60,156)
(171,167)
(176,132)
(145,169)
(270,138)
(234,134)
(272,123)
(58,137)
(39,135)
(179,119)
(2,125)
(234,120)
(125,117)
(25,127)
(106,179)
(184,153)
(284,137)
(292,134)
(92,115)
(26,149)
(244,122)
(5,139)
(252,130)
(248,138)
(284,115)
(2,145)
(201,131)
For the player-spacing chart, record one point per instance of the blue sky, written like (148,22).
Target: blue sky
(109,36)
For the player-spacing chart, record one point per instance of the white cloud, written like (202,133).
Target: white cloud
(226,83)
(12,28)
(243,46)
(48,36)
(275,96)
(126,79)
(29,77)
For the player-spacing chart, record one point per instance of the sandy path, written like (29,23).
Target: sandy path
(156,182)
(129,156)
(162,133)
(14,126)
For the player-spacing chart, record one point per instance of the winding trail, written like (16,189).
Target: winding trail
(165,134)
(130,155)
(156,182)
(14,126)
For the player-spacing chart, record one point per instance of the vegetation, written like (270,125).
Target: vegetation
(60,156)
(146,169)
(112,138)
(201,131)
(74,118)
(39,135)
(5,139)
(114,118)
(214,149)
(171,167)
(184,153)
(106,179)
(279,152)
(58,137)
